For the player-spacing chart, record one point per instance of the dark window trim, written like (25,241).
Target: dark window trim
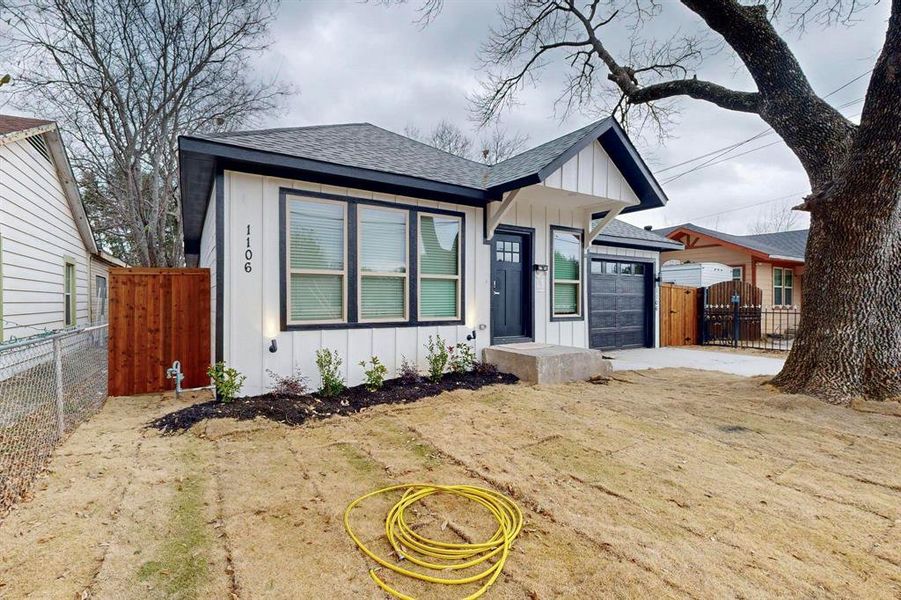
(220,265)
(582,263)
(352,308)
(650,277)
(528,232)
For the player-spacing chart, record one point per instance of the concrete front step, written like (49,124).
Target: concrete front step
(547,363)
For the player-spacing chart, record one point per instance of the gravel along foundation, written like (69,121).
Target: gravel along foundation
(445,556)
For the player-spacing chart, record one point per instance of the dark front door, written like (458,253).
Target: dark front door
(618,304)
(511,287)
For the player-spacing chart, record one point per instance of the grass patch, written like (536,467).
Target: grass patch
(180,569)
(357,459)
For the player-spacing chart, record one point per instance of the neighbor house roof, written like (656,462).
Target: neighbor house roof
(11,124)
(370,157)
(13,128)
(783,245)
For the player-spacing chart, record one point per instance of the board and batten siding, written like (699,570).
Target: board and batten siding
(251,296)
(38,234)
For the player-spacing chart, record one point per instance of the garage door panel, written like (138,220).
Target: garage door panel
(617,304)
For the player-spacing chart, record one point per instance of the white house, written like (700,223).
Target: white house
(52,275)
(357,239)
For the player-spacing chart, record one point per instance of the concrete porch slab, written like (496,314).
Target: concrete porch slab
(547,363)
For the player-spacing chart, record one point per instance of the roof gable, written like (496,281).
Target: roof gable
(788,245)
(365,156)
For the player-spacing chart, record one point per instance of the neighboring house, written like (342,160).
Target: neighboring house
(357,239)
(52,275)
(774,262)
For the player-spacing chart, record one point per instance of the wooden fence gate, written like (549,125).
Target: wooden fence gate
(732,313)
(157,316)
(678,315)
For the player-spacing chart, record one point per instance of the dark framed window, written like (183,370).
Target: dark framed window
(69,297)
(351,262)
(567,258)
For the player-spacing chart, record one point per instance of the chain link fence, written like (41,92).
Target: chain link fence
(48,385)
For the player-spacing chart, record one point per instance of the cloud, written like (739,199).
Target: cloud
(354,61)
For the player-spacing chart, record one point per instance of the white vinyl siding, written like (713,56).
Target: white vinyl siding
(38,231)
(439,267)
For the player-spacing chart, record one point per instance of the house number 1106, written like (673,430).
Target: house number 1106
(248,254)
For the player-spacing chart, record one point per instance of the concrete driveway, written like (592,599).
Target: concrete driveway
(683,358)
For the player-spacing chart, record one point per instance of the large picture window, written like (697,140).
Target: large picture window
(354,262)
(566,290)
(439,267)
(317,259)
(383,264)
(783,286)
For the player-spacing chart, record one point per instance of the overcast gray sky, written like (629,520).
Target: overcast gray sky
(351,61)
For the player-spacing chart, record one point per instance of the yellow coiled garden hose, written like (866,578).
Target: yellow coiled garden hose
(423,551)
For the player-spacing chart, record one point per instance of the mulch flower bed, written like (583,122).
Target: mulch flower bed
(296,410)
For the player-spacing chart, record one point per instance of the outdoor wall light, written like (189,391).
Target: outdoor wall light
(540,268)
(273,345)
(471,336)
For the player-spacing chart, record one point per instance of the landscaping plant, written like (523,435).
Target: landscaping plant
(408,373)
(462,358)
(286,386)
(329,364)
(375,374)
(226,380)
(438,356)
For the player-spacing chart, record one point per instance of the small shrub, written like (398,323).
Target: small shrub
(294,384)
(462,358)
(408,373)
(485,368)
(227,381)
(375,374)
(329,364)
(437,358)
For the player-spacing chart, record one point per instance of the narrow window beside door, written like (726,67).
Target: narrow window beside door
(566,291)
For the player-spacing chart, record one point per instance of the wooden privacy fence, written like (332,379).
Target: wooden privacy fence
(678,315)
(157,316)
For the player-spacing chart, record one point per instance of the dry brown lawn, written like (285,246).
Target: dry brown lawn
(660,484)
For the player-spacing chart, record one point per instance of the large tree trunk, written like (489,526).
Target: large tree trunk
(849,339)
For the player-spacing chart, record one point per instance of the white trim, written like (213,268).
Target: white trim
(292,271)
(594,232)
(577,282)
(497,215)
(419,275)
(394,275)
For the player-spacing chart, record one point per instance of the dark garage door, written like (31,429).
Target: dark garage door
(618,304)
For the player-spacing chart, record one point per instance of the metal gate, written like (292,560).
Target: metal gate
(157,316)
(732,314)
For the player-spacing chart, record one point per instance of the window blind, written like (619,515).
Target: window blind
(317,260)
(439,267)
(383,252)
(567,250)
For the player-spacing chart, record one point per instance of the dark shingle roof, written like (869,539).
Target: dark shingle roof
(11,124)
(364,146)
(783,244)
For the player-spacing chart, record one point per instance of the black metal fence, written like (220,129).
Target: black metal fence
(765,328)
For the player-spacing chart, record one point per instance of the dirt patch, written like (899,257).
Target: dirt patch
(660,484)
(297,410)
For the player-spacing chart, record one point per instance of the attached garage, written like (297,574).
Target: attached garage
(620,303)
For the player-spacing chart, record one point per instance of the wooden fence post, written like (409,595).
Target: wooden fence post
(58,378)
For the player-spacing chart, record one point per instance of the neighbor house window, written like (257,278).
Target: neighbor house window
(317,261)
(439,267)
(100,292)
(783,283)
(69,297)
(567,273)
(737,273)
(383,264)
